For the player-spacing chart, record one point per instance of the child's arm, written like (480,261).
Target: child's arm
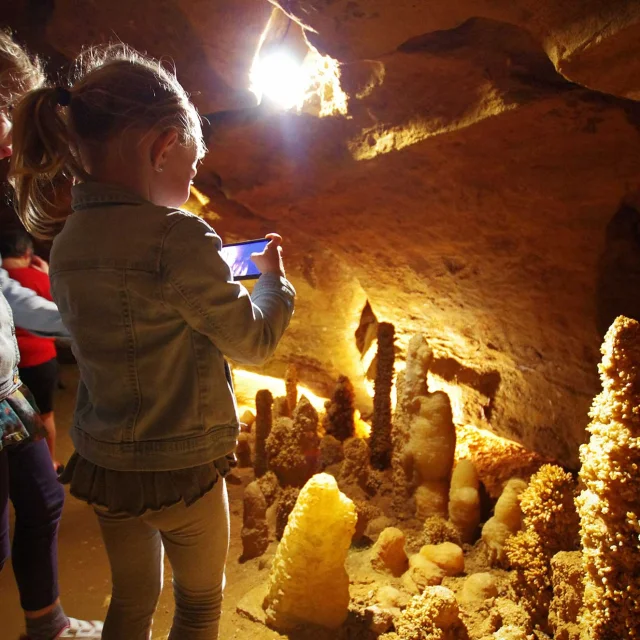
(199,284)
(30,311)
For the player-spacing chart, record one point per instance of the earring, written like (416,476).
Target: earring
(159,169)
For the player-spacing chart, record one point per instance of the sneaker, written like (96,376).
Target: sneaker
(88,629)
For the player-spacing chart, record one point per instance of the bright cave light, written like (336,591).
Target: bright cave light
(279,77)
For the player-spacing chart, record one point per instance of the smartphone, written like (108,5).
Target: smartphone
(238,256)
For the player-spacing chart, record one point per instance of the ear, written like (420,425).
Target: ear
(161,146)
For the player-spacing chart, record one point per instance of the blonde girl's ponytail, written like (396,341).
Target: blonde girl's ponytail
(44,163)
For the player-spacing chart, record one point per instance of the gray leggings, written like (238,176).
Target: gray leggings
(196,539)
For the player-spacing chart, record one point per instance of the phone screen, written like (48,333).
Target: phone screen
(238,256)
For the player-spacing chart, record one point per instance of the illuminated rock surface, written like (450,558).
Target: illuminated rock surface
(608,506)
(308,582)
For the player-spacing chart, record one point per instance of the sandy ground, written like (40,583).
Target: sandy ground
(84,570)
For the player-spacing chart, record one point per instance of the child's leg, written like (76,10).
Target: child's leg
(196,539)
(37,498)
(135,556)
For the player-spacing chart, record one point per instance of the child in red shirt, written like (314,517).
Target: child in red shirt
(38,363)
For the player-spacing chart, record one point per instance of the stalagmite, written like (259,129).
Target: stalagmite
(381,427)
(411,383)
(429,454)
(263,424)
(608,506)
(339,417)
(293,446)
(255,531)
(308,581)
(291,384)
(548,508)
(506,521)
(464,500)
(434,614)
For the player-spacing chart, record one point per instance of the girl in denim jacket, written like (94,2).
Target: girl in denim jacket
(152,310)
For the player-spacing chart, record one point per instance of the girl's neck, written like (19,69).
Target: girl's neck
(16,263)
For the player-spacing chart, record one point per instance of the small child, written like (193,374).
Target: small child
(38,363)
(153,310)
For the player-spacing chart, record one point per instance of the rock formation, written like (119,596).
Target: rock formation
(292,447)
(608,505)
(428,455)
(381,428)
(291,384)
(506,520)
(308,582)
(255,531)
(339,417)
(464,500)
(263,424)
(410,383)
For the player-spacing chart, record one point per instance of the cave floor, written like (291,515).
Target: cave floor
(84,570)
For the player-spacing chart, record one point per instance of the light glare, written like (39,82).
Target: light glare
(280,78)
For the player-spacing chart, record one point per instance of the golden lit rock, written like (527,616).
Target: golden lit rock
(608,505)
(308,582)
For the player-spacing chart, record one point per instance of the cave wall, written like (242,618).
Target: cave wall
(478,190)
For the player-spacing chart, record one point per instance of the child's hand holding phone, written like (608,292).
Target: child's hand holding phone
(248,260)
(269,260)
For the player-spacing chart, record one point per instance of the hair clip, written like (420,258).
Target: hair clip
(63,96)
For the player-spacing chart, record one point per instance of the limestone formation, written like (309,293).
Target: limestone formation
(270,487)
(331,452)
(434,615)
(281,408)
(308,583)
(548,508)
(243,450)
(291,384)
(388,553)
(437,530)
(447,555)
(366,513)
(340,410)
(255,531)
(531,573)
(292,446)
(355,471)
(608,505)
(478,587)
(568,590)
(464,500)
(381,427)
(284,506)
(422,573)
(263,424)
(428,456)
(506,521)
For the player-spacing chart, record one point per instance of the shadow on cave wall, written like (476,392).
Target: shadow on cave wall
(618,290)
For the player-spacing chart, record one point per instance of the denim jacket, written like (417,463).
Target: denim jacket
(9,354)
(152,310)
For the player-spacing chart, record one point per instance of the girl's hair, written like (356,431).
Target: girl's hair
(19,73)
(15,243)
(115,90)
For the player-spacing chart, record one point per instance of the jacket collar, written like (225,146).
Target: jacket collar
(92,194)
